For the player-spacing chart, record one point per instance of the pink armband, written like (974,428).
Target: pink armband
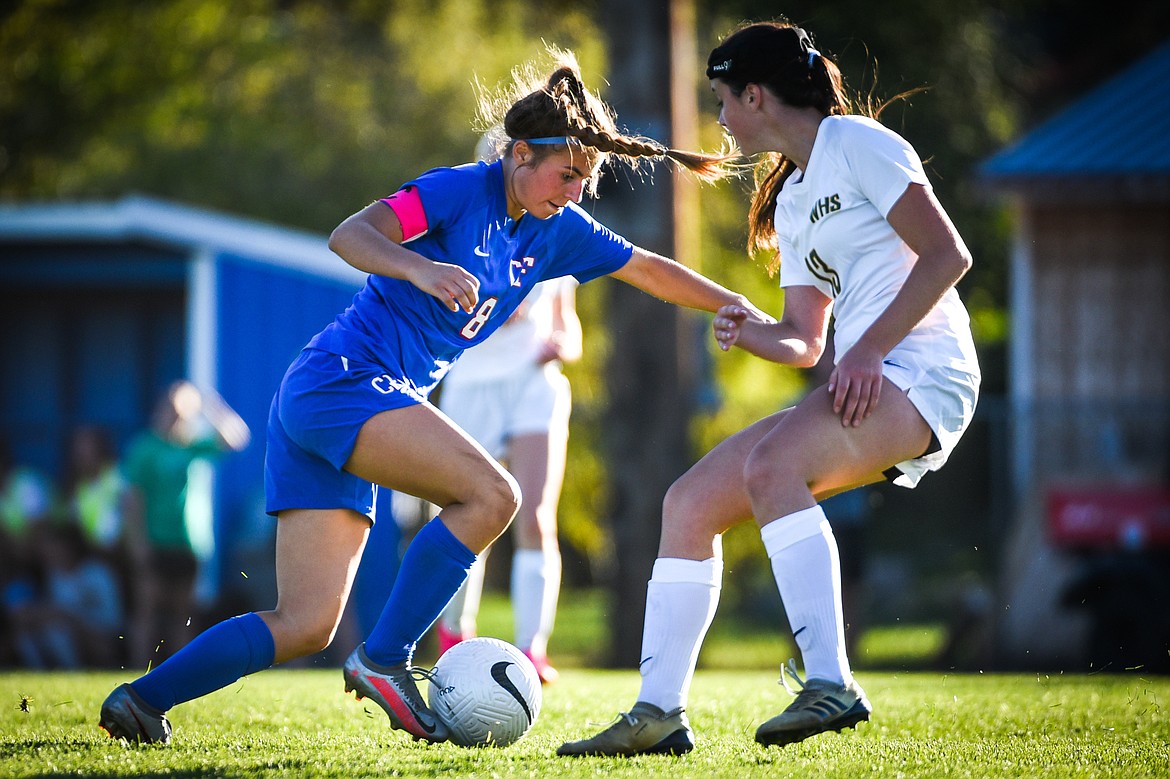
(408,207)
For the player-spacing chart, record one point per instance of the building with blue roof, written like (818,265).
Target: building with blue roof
(105,304)
(1113,144)
(1089,193)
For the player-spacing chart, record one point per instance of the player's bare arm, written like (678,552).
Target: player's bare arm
(370,241)
(943,259)
(674,282)
(798,339)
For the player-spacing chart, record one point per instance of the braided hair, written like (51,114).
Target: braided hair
(560,105)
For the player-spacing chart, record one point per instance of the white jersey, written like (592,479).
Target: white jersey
(833,235)
(516,344)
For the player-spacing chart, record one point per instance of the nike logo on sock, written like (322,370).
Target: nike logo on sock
(798,632)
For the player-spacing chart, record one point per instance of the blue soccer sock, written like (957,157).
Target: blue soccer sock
(216,657)
(433,568)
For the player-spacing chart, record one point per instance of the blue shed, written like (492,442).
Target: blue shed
(104,304)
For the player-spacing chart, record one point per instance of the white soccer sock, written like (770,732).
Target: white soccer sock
(681,599)
(461,615)
(804,559)
(536,585)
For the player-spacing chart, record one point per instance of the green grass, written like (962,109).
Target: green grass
(299,723)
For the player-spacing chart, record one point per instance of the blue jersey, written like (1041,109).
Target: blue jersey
(395,324)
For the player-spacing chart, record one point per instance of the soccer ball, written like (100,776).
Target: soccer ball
(486,692)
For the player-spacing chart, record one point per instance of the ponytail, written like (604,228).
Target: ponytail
(560,105)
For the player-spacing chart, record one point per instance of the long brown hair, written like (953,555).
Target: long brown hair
(560,105)
(780,56)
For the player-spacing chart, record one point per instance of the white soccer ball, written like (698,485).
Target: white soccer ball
(486,692)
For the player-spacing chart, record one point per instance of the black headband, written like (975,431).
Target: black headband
(759,52)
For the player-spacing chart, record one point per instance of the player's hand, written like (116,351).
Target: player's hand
(728,324)
(454,286)
(856,385)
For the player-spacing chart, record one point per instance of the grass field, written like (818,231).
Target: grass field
(299,723)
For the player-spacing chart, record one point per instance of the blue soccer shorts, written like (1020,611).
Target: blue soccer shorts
(316,415)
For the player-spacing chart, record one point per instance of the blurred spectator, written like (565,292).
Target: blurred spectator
(70,616)
(188,426)
(92,495)
(25,502)
(1124,593)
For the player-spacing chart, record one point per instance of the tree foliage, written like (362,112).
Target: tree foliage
(297,112)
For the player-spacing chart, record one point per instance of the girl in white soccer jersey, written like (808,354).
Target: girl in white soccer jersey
(510,395)
(862,238)
(450,257)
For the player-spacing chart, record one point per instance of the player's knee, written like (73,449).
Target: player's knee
(680,506)
(691,519)
(766,471)
(499,500)
(318,638)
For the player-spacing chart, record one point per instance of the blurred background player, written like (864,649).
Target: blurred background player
(165,519)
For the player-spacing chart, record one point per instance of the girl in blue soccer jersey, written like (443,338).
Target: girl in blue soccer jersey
(450,256)
(862,238)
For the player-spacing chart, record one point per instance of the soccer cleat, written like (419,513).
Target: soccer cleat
(393,688)
(544,670)
(447,638)
(126,716)
(820,706)
(644,730)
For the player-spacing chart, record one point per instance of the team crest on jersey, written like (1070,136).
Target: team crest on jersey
(518,269)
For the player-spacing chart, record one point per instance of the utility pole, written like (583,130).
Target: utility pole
(651,368)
